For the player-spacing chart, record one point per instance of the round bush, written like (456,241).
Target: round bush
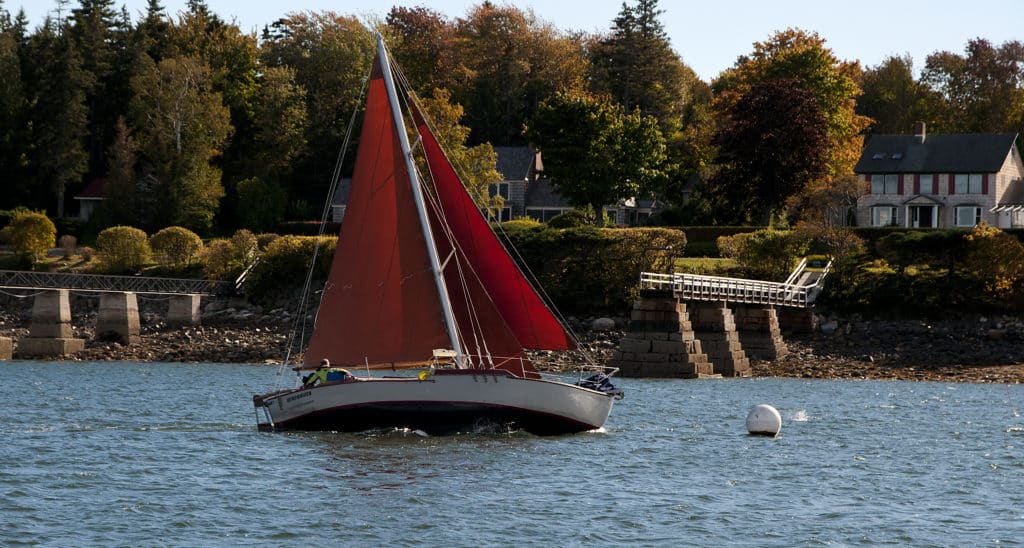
(178,245)
(123,249)
(32,234)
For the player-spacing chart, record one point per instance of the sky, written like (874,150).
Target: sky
(708,35)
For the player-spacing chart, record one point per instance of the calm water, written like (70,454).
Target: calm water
(167,454)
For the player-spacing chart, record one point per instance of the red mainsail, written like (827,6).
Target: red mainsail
(515,299)
(380,302)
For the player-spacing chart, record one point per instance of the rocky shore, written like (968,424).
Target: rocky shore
(968,350)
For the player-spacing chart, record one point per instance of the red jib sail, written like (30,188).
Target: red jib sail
(380,302)
(515,299)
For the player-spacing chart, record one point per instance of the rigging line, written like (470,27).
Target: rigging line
(297,332)
(474,324)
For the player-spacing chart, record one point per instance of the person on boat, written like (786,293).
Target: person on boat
(324,373)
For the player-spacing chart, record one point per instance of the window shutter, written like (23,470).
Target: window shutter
(984,183)
(935,183)
(952,185)
(900,179)
(917,183)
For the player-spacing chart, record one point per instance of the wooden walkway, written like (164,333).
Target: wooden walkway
(799,291)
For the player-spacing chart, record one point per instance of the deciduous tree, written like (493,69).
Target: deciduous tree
(594,152)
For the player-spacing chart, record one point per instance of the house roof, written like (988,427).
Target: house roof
(517,163)
(93,190)
(949,153)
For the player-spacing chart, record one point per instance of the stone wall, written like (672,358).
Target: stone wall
(660,341)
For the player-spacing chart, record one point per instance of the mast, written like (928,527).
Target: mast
(421,210)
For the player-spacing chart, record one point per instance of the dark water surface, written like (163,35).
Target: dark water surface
(131,454)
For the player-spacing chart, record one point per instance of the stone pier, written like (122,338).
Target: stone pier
(660,341)
(6,348)
(798,320)
(715,327)
(758,328)
(183,310)
(50,333)
(118,318)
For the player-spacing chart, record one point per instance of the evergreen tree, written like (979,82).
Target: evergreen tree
(59,118)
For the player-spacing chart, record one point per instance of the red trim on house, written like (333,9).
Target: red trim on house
(917,183)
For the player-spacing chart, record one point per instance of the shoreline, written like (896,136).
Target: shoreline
(978,350)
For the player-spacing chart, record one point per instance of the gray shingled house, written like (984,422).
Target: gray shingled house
(937,181)
(527,192)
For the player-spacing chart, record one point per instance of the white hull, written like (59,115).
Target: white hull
(447,401)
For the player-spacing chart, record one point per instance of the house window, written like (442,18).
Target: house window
(498,189)
(927,183)
(968,183)
(505,214)
(883,216)
(885,184)
(968,216)
(543,214)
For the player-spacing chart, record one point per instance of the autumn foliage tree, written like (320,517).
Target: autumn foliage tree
(772,144)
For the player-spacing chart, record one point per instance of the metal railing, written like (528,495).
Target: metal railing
(18,279)
(738,290)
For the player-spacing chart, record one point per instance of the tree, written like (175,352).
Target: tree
(260,204)
(982,91)
(510,61)
(797,55)
(595,153)
(93,33)
(771,146)
(58,116)
(330,56)
(182,125)
(13,115)
(423,45)
(279,123)
(476,166)
(893,99)
(636,65)
(122,203)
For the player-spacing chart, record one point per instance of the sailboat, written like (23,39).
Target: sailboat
(420,281)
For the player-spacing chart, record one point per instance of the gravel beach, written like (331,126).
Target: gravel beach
(967,350)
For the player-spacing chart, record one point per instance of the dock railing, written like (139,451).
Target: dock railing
(738,290)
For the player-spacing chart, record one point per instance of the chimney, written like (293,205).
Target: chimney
(920,132)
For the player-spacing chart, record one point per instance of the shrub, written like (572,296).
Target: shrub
(771,254)
(225,259)
(263,240)
(573,218)
(123,249)
(176,245)
(32,234)
(995,261)
(284,264)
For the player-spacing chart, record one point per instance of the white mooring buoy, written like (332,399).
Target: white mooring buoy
(764,420)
